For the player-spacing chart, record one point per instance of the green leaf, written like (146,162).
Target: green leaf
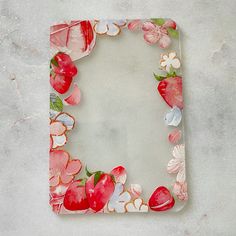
(88,173)
(159,77)
(54,62)
(55,103)
(173,33)
(158,21)
(97,177)
(171,73)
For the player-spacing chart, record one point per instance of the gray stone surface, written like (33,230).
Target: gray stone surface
(209,37)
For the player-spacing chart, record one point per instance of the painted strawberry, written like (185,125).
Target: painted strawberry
(62,64)
(60,83)
(170,88)
(161,199)
(75,198)
(62,72)
(99,188)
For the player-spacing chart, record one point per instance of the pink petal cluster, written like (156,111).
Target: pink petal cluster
(61,168)
(181,191)
(153,33)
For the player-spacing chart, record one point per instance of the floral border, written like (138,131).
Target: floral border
(100,191)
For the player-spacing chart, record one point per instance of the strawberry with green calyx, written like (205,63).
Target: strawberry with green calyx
(99,188)
(170,88)
(75,197)
(62,72)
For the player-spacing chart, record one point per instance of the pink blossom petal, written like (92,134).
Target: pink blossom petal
(57,128)
(148,26)
(174,136)
(119,174)
(54,181)
(151,37)
(169,24)
(74,98)
(65,179)
(58,161)
(134,25)
(73,167)
(164,41)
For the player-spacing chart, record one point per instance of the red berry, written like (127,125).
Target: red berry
(99,193)
(64,65)
(60,83)
(171,90)
(75,198)
(161,199)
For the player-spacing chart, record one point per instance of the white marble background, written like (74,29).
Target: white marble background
(210,93)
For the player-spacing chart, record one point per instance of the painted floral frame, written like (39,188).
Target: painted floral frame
(99,191)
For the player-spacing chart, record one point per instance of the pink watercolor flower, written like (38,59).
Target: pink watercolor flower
(154,33)
(181,191)
(62,170)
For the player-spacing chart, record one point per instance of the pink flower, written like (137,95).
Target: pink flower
(62,123)
(62,170)
(156,34)
(180,190)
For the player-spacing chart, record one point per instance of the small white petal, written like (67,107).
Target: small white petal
(113,30)
(58,141)
(172,55)
(176,63)
(173,118)
(101,27)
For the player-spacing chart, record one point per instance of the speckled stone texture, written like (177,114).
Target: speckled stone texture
(209,35)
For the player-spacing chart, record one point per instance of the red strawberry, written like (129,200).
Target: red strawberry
(62,64)
(161,199)
(60,83)
(171,90)
(99,188)
(75,198)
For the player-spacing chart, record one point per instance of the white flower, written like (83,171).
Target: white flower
(177,164)
(109,27)
(169,60)
(137,206)
(119,199)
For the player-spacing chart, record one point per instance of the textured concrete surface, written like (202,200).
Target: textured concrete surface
(210,85)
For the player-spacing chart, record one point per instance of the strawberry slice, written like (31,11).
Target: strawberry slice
(60,83)
(75,198)
(161,199)
(170,89)
(99,189)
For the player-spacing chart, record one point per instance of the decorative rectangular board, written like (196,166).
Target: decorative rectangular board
(116,126)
